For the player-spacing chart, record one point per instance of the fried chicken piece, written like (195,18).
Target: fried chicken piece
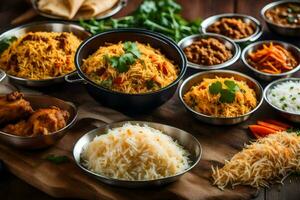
(42,122)
(13,107)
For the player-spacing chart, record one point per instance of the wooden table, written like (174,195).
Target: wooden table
(13,188)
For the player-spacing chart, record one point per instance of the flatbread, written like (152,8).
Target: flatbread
(63,8)
(92,8)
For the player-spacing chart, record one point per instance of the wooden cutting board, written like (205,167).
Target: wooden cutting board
(67,180)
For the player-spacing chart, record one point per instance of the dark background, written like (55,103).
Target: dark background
(13,188)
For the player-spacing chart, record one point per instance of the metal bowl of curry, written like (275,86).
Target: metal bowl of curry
(283,17)
(209,51)
(246,28)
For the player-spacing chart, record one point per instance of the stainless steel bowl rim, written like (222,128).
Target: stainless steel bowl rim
(258,27)
(232,60)
(274,83)
(42,23)
(160,36)
(137,181)
(244,59)
(272,5)
(70,123)
(2,75)
(220,71)
(39,81)
(3,33)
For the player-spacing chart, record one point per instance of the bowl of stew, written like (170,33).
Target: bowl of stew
(283,17)
(209,51)
(242,29)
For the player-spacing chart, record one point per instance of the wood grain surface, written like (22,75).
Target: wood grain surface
(218,142)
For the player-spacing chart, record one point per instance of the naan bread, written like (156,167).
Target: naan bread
(63,8)
(92,8)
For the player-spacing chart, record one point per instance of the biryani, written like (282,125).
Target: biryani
(40,55)
(267,160)
(221,97)
(135,152)
(130,67)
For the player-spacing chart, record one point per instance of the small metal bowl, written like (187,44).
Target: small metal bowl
(47,27)
(288,115)
(266,76)
(246,18)
(2,75)
(197,78)
(235,50)
(183,138)
(276,28)
(114,10)
(42,141)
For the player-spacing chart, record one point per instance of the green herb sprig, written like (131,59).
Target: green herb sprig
(161,16)
(226,95)
(122,63)
(5,43)
(57,159)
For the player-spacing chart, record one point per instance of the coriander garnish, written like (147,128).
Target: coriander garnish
(228,94)
(215,88)
(56,159)
(5,43)
(122,63)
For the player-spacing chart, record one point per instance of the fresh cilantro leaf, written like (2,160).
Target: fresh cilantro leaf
(227,96)
(57,159)
(114,61)
(232,86)
(148,7)
(5,43)
(131,47)
(125,61)
(215,88)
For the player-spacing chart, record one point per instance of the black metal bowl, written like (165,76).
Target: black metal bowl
(123,101)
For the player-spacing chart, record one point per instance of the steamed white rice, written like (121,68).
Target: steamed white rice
(134,152)
(286,96)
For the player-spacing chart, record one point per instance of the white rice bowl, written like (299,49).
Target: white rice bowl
(134,152)
(286,96)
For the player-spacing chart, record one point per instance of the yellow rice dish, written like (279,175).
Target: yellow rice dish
(130,67)
(221,97)
(40,55)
